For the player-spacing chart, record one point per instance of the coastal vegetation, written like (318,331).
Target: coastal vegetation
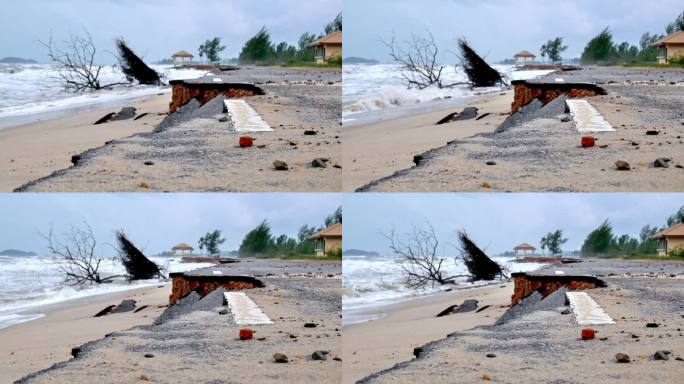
(211,242)
(553,50)
(211,49)
(553,242)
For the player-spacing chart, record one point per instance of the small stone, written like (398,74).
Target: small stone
(280,165)
(565,119)
(588,334)
(144,377)
(246,333)
(224,311)
(661,163)
(149,355)
(486,185)
(149,162)
(622,165)
(319,163)
(652,133)
(245,141)
(622,357)
(309,133)
(280,357)
(490,162)
(310,325)
(566,311)
(223,119)
(491,355)
(661,355)
(652,325)
(588,141)
(319,355)
(486,377)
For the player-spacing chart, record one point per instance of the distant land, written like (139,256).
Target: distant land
(16,60)
(16,252)
(359,60)
(359,252)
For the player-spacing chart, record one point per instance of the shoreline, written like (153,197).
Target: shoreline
(379,149)
(31,151)
(38,344)
(381,343)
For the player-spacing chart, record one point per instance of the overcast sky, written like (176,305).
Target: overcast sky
(157,221)
(500,28)
(157,28)
(500,221)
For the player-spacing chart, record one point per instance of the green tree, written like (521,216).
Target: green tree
(258,241)
(676,25)
(284,245)
(600,241)
(553,49)
(258,48)
(285,52)
(334,218)
(553,242)
(305,53)
(626,52)
(626,245)
(647,246)
(676,218)
(211,242)
(600,49)
(305,246)
(211,49)
(335,25)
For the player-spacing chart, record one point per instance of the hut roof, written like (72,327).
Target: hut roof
(334,38)
(676,230)
(182,53)
(524,54)
(182,247)
(675,38)
(524,246)
(334,230)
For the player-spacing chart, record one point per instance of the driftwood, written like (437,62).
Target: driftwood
(137,265)
(133,67)
(478,71)
(480,266)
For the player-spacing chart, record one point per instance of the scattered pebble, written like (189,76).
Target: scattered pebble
(149,162)
(280,357)
(319,162)
(310,325)
(149,355)
(622,165)
(490,162)
(319,355)
(661,355)
(652,325)
(223,119)
(246,333)
(588,334)
(566,311)
(491,355)
(280,165)
(622,357)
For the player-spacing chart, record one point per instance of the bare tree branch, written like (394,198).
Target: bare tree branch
(418,61)
(76,63)
(75,256)
(418,250)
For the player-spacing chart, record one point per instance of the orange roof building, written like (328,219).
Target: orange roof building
(524,249)
(524,57)
(182,57)
(670,47)
(327,47)
(182,249)
(669,239)
(328,240)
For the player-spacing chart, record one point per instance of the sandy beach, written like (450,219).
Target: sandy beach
(372,151)
(379,344)
(38,344)
(198,342)
(35,150)
(544,153)
(542,345)
(199,150)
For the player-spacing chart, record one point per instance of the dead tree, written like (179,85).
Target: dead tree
(480,266)
(418,61)
(75,63)
(138,266)
(478,71)
(134,68)
(420,262)
(75,256)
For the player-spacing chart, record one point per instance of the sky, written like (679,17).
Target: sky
(154,221)
(500,221)
(157,28)
(498,29)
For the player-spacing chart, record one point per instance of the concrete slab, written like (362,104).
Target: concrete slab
(586,310)
(245,118)
(244,310)
(586,117)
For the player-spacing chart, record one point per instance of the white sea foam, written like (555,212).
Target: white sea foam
(371,281)
(29,283)
(368,88)
(34,89)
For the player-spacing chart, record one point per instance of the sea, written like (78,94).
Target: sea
(32,92)
(30,283)
(377,92)
(375,281)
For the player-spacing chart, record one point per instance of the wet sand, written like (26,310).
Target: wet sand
(37,344)
(31,151)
